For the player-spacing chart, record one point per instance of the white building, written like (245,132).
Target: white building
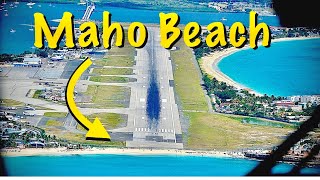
(310,98)
(32,61)
(294,98)
(315,99)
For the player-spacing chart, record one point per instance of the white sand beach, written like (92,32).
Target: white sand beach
(117,151)
(209,64)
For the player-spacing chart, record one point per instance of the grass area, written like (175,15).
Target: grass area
(14,103)
(262,122)
(11,102)
(215,131)
(80,138)
(108,96)
(116,60)
(111,79)
(52,122)
(112,71)
(187,81)
(119,56)
(55,114)
(109,120)
(37,93)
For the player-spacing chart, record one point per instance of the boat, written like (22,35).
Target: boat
(4,2)
(16,2)
(223,19)
(30,4)
(12,31)
(6,14)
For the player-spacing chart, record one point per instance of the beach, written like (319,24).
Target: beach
(209,63)
(117,151)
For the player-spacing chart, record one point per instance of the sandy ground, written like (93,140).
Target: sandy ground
(117,151)
(209,63)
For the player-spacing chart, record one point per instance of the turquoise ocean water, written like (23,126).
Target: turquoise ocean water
(23,38)
(286,68)
(126,165)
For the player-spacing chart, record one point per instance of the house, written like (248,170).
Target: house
(36,144)
(284,103)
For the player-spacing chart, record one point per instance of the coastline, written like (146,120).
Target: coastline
(209,63)
(117,151)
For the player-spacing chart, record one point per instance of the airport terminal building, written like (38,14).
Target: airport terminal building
(29,62)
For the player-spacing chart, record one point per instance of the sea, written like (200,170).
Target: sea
(138,165)
(21,16)
(284,69)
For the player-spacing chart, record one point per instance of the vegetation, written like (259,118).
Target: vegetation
(55,114)
(111,79)
(52,122)
(119,56)
(11,58)
(215,131)
(113,60)
(262,122)
(108,96)
(65,137)
(11,102)
(187,80)
(80,138)
(37,93)
(112,71)
(109,120)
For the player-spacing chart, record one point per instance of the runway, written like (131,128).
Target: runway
(166,132)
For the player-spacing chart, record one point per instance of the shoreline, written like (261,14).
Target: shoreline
(118,151)
(209,63)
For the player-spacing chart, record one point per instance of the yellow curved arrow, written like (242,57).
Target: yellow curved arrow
(95,129)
